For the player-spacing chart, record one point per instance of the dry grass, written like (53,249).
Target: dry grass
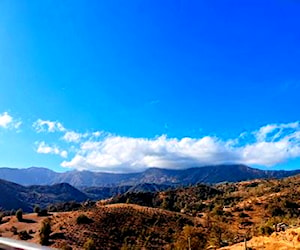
(289,240)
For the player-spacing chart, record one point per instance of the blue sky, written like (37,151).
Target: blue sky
(149,83)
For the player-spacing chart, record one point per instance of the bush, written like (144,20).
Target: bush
(243,215)
(83,219)
(43,212)
(23,235)
(19,214)
(45,232)
(89,245)
(1,217)
(36,209)
(14,230)
(266,230)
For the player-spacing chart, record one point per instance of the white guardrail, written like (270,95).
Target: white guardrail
(11,244)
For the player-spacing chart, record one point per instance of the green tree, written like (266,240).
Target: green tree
(1,217)
(83,219)
(19,214)
(37,209)
(45,232)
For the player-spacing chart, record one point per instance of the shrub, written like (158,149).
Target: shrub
(266,230)
(243,215)
(36,209)
(45,232)
(83,219)
(43,212)
(19,214)
(14,230)
(23,235)
(89,245)
(1,217)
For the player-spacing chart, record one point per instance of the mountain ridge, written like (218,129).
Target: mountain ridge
(15,196)
(207,174)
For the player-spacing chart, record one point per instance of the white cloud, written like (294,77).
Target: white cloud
(43,148)
(97,134)
(71,136)
(48,126)
(272,144)
(64,154)
(7,121)
(274,131)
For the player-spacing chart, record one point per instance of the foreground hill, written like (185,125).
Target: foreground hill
(14,196)
(119,226)
(207,217)
(208,174)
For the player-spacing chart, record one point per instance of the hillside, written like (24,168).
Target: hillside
(99,193)
(11,196)
(14,196)
(216,216)
(229,212)
(111,227)
(206,174)
(173,200)
(288,240)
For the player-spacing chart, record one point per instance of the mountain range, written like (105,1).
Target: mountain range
(45,187)
(207,174)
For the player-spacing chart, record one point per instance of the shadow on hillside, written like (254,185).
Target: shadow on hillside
(44,213)
(28,221)
(58,236)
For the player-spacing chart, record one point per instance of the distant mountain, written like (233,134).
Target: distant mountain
(29,176)
(208,174)
(14,196)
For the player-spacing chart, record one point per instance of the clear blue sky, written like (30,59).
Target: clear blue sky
(137,70)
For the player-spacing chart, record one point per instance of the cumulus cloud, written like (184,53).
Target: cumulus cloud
(48,126)
(43,148)
(7,121)
(271,144)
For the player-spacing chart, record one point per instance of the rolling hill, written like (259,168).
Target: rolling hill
(15,196)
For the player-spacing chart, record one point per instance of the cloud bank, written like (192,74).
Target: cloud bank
(270,145)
